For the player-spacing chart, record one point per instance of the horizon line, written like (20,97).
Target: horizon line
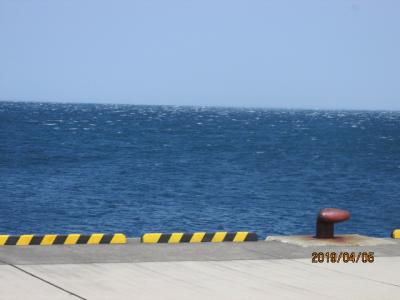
(95,102)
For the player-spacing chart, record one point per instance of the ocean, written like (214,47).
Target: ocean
(67,168)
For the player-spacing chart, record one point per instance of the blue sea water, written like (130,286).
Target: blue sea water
(121,168)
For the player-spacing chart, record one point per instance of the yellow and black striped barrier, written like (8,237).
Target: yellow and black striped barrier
(59,239)
(396,234)
(198,237)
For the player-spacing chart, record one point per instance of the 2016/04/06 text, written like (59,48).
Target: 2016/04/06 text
(346,257)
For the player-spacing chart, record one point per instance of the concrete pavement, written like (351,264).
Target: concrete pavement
(254,270)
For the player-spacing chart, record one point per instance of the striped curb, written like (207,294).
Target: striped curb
(198,237)
(396,234)
(58,239)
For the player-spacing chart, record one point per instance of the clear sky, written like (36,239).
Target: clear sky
(278,53)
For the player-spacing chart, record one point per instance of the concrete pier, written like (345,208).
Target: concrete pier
(254,270)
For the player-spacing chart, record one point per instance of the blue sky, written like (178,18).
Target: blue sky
(298,54)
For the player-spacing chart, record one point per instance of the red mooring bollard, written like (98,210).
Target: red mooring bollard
(326,219)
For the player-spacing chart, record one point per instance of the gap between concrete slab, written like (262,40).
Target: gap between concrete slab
(44,280)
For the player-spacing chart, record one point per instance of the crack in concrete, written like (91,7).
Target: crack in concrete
(44,280)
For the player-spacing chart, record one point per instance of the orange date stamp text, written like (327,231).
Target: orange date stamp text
(345,257)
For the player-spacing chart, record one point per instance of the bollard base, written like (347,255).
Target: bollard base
(324,230)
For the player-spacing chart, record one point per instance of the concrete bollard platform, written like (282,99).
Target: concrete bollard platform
(346,240)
